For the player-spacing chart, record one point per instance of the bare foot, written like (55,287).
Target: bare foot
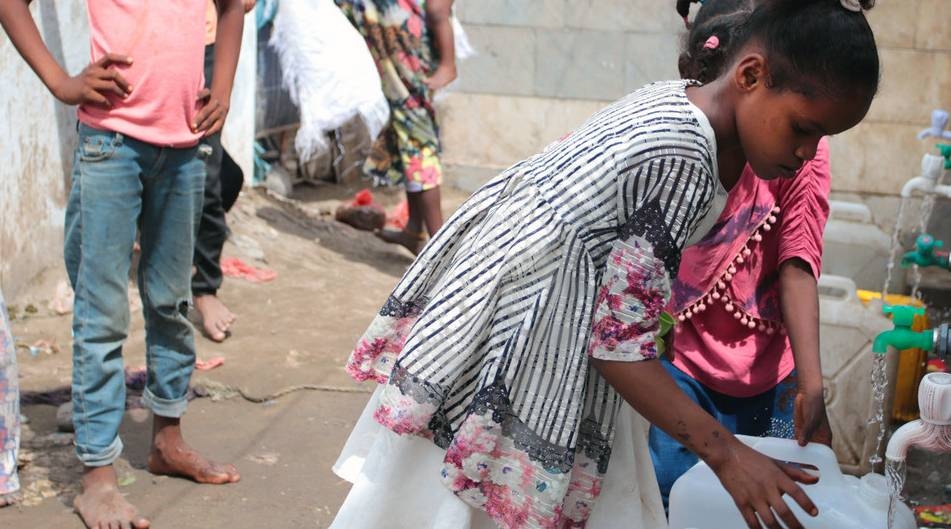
(6,500)
(413,242)
(102,506)
(171,456)
(216,319)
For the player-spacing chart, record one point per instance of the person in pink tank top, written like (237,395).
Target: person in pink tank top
(746,343)
(138,171)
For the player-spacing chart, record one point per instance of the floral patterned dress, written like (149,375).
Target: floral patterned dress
(483,347)
(9,406)
(407,151)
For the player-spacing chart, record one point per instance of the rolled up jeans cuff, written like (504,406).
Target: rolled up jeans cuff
(172,409)
(103,458)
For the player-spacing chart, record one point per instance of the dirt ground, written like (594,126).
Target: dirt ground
(295,330)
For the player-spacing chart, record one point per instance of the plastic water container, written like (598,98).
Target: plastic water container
(855,247)
(847,328)
(699,501)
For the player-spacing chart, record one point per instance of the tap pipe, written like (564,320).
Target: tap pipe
(932,431)
(910,434)
(922,183)
(932,169)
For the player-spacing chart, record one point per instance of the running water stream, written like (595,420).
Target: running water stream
(895,475)
(879,383)
(896,247)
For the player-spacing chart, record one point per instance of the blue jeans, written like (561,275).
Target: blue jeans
(121,185)
(769,414)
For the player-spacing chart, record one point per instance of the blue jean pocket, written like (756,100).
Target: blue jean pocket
(97,147)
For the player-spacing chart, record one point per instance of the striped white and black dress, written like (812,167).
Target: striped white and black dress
(483,346)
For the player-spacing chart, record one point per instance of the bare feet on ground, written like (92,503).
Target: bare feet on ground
(171,456)
(216,319)
(411,241)
(102,506)
(7,500)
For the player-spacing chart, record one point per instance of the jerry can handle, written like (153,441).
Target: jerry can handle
(818,455)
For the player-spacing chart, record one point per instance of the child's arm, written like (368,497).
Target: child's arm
(438,13)
(755,482)
(799,298)
(211,118)
(86,88)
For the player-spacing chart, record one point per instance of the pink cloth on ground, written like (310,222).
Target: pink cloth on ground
(730,336)
(166,40)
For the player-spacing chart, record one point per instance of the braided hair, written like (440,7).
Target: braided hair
(813,46)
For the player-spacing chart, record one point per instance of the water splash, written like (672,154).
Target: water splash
(895,476)
(879,384)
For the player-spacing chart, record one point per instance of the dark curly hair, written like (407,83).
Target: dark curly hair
(813,46)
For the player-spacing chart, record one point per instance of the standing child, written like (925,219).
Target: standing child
(412,44)
(223,181)
(747,345)
(142,112)
(9,412)
(506,351)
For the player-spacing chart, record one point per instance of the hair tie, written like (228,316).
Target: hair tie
(852,5)
(712,43)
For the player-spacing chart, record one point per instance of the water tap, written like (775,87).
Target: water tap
(945,151)
(939,121)
(924,253)
(932,431)
(902,337)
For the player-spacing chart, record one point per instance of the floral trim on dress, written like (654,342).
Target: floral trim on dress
(488,471)
(633,293)
(376,352)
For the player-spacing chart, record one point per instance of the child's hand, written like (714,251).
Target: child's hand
(211,118)
(810,420)
(757,484)
(443,75)
(249,5)
(97,79)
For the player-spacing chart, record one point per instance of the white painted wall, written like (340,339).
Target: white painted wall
(38,138)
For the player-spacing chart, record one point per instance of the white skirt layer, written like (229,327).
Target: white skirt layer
(396,482)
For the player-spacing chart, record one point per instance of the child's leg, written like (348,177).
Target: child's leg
(101,215)
(212,234)
(425,209)
(172,204)
(9,412)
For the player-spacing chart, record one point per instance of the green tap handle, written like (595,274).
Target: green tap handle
(946,152)
(902,337)
(903,315)
(924,253)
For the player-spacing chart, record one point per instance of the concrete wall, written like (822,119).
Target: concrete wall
(545,65)
(39,136)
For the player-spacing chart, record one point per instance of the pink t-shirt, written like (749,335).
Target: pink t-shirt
(166,40)
(736,343)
